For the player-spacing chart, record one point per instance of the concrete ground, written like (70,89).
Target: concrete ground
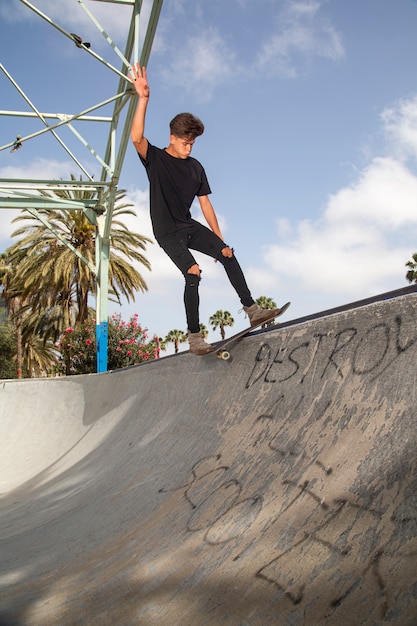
(279,488)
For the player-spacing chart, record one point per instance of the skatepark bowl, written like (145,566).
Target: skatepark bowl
(276,489)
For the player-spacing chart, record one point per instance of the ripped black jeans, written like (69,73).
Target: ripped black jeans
(196,236)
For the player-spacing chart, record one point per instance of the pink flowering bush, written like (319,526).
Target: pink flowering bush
(128,344)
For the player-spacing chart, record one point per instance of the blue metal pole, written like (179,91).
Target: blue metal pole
(102,338)
(102,333)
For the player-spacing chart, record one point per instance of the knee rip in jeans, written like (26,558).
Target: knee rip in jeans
(194,270)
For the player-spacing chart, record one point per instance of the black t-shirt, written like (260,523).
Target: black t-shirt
(174,183)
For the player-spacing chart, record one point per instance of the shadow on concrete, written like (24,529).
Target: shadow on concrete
(280,488)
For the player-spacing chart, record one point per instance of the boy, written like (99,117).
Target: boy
(175,180)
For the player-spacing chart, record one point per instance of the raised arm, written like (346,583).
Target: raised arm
(140,83)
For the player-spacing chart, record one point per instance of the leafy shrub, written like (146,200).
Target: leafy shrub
(128,344)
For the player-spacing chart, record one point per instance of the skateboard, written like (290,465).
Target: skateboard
(221,352)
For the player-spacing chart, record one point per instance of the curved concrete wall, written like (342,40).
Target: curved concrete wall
(279,488)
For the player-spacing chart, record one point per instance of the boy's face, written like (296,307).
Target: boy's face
(180,147)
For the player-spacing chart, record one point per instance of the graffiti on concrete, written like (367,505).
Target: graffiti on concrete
(288,505)
(328,351)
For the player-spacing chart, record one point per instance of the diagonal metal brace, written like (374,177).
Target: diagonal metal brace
(45,222)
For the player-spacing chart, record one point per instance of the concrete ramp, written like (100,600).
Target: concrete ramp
(276,489)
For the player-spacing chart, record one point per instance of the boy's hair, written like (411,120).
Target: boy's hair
(186,126)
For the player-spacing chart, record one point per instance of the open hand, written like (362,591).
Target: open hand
(140,81)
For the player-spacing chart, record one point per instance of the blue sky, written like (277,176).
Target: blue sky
(310,146)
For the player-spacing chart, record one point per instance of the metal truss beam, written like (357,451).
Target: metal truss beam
(27,193)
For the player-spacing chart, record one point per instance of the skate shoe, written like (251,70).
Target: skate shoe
(257,315)
(198,345)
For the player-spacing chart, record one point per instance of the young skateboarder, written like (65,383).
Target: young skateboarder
(175,180)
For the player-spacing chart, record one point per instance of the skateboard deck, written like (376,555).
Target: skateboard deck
(221,351)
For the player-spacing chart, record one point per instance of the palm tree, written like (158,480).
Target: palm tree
(220,319)
(203,330)
(13,302)
(7,352)
(46,286)
(39,356)
(5,275)
(34,356)
(56,282)
(159,342)
(411,275)
(266,303)
(176,337)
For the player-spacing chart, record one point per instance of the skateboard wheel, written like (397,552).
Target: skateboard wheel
(224,355)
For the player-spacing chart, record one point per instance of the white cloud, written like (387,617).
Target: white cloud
(13,11)
(41,168)
(197,64)
(67,14)
(6,227)
(347,259)
(302,34)
(384,195)
(367,232)
(400,122)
